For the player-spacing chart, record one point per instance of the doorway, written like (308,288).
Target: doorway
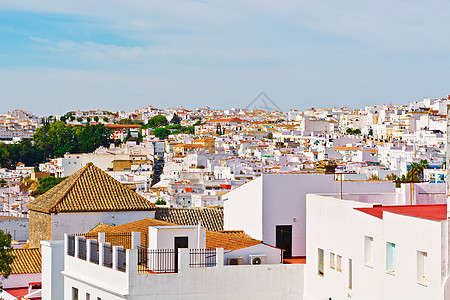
(179,242)
(284,239)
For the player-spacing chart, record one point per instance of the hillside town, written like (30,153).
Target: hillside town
(179,203)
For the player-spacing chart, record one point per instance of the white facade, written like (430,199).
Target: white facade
(271,200)
(267,281)
(337,229)
(84,221)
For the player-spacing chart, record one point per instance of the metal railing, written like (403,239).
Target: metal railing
(116,239)
(71,245)
(200,258)
(107,257)
(121,260)
(157,261)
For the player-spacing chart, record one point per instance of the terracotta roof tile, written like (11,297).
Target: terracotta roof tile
(229,240)
(211,217)
(89,189)
(26,261)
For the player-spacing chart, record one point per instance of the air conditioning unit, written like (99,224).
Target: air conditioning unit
(260,259)
(235,261)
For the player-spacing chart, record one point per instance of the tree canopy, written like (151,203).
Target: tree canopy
(44,184)
(23,151)
(156,121)
(57,139)
(6,257)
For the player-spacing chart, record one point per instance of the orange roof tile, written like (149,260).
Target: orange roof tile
(26,261)
(214,239)
(89,189)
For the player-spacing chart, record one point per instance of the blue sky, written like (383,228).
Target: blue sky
(57,56)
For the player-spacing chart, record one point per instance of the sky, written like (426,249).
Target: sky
(57,56)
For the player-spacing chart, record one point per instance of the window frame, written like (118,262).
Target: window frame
(332,260)
(320,262)
(390,258)
(339,263)
(368,251)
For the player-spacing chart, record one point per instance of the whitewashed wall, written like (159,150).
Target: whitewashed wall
(85,221)
(335,226)
(221,282)
(280,199)
(18,227)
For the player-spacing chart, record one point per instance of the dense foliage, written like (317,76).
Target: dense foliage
(44,184)
(54,139)
(23,151)
(57,139)
(6,257)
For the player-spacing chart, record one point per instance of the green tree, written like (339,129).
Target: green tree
(160,202)
(270,136)
(23,151)
(96,119)
(175,119)
(156,121)
(72,118)
(45,184)
(126,121)
(414,171)
(80,119)
(423,163)
(162,133)
(105,119)
(6,257)
(374,177)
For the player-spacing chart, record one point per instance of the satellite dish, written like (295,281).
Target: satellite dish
(256,261)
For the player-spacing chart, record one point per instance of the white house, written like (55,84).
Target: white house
(82,201)
(358,250)
(272,207)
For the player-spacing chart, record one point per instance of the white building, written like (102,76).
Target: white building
(272,207)
(361,251)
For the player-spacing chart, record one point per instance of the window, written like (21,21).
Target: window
(422,259)
(88,296)
(320,259)
(332,260)
(368,251)
(74,293)
(339,263)
(390,258)
(350,273)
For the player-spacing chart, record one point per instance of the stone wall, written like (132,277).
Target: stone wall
(40,228)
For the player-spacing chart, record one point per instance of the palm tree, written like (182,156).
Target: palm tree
(423,165)
(414,171)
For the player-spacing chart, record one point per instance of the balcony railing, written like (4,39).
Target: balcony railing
(199,258)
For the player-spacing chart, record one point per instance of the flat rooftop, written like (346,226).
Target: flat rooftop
(435,212)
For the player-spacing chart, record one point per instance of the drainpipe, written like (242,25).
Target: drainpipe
(199,233)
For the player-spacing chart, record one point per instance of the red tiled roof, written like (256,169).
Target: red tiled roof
(122,126)
(18,292)
(227,120)
(188,190)
(436,212)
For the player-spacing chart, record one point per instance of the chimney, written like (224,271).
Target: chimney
(447,166)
